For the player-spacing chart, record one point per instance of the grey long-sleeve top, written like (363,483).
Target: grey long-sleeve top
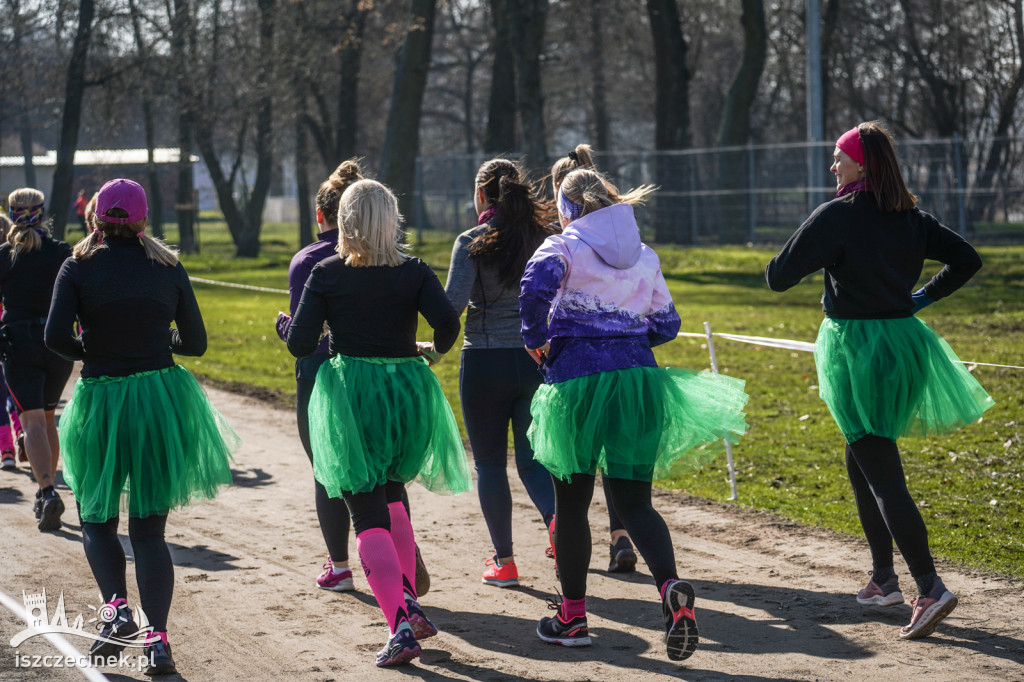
(492,310)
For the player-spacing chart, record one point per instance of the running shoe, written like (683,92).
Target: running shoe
(8,460)
(623,558)
(20,443)
(680,623)
(335,582)
(421,625)
(422,577)
(928,611)
(401,648)
(886,594)
(558,630)
(37,507)
(506,575)
(115,622)
(549,552)
(158,658)
(51,509)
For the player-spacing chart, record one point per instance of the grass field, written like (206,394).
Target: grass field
(969,484)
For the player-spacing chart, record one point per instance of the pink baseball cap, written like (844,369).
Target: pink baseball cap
(124,194)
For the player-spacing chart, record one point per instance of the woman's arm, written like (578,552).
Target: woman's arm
(190,336)
(462,273)
(544,274)
(308,322)
(438,311)
(59,334)
(808,250)
(663,320)
(961,260)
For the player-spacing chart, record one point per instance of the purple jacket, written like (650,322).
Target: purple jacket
(298,272)
(596,292)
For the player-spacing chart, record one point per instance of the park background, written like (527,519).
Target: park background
(232,112)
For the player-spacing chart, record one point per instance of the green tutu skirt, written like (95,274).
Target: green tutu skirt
(373,420)
(638,423)
(894,378)
(146,443)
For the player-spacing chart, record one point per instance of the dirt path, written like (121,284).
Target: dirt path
(774,598)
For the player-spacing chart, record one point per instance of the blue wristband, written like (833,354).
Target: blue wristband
(921,300)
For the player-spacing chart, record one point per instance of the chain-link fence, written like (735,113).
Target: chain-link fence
(761,193)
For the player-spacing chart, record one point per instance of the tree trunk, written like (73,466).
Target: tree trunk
(63,175)
(529,18)
(302,175)
(348,87)
(156,207)
(671,122)
(401,142)
(181,25)
(598,101)
(27,147)
(500,136)
(735,128)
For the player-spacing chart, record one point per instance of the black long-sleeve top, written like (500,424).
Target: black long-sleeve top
(371,311)
(872,260)
(125,303)
(26,282)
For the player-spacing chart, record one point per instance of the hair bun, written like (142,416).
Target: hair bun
(345,174)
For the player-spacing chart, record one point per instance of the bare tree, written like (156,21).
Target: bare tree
(528,21)
(501,110)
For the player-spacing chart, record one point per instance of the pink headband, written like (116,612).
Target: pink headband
(850,143)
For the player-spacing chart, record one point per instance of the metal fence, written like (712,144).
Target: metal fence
(760,193)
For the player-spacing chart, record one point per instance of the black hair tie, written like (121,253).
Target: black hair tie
(573,156)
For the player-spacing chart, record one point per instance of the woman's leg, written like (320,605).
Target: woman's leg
(154,571)
(645,526)
(37,445)
(871,520)
(572,533)
(879,461)
(534,476)
(106,558)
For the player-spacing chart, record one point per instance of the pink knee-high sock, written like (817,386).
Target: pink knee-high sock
(405,545)
(6,439)
(384,573)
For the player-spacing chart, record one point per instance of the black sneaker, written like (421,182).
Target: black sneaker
(418,621)
(158,658)
(559,631)
(50,510)
(623,556)
(422,577)
(401,648)
(680,623)
(37,508)
(116,626)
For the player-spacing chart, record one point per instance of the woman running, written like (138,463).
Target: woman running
(594,303)
(497,378)
(8,458)
(377,416)
(883,372)
(138,425)
(622,557)
(29,262)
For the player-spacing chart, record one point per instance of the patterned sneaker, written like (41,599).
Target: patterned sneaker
(502,576)
(928,611)
(7,460)
(401,648)
(51,509)
(335,582)
(560,631)
(418,621)
(158,657)
(422,577)
(623,558)
(117,625)
(680,623)
(886,594)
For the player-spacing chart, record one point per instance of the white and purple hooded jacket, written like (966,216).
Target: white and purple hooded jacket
(596,292)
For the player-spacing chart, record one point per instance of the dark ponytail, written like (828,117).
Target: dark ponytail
(518,226)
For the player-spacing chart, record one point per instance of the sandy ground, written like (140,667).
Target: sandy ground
(774,599)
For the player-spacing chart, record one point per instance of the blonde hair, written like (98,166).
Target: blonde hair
(368,222)
(155,249)
(23,237)
(329,194)
(5,225)
(579,157)
(90,212)
(592,191)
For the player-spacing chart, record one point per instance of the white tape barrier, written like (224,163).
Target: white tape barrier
(790,344)
(63,645)
(232,285)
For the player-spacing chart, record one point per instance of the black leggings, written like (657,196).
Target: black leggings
(886,509)
(632,500)
(370,510)
(331,512)
(154,571)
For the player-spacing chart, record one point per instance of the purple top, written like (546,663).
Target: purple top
(596,292)
(298,272)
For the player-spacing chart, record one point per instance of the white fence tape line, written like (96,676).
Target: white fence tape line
(232,285)
(728,445)
(63,645)
(790,344)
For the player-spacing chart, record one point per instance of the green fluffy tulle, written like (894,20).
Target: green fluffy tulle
(373,420)
(146,443)
(639,423)
(894,378)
